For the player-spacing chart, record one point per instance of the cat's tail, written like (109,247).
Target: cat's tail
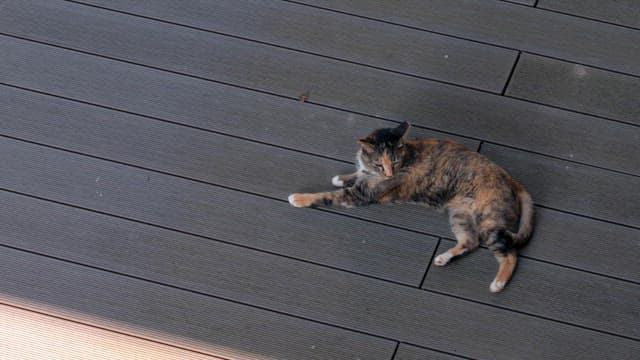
(525,228)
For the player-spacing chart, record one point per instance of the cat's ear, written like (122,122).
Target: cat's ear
(367,145)
(402,130)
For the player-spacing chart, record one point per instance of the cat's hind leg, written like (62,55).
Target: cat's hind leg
(345,180)
(464,230)
(507,263)
(507,260)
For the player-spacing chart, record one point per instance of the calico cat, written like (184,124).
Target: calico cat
(484,202)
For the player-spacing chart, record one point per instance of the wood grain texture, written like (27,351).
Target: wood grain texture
(146,164)
(586,244)
(310,291)
(173,149)
(409,352)
(173,316)
(30,335)
(199,103)
(576,188)
(580,88)
(511,25)
(621,12)
(524,2)
(341,36)
(329,82)
(545,290)
(217,212)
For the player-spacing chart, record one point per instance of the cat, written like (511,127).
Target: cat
(483,201)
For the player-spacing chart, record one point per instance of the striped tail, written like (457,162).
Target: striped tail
(526,219)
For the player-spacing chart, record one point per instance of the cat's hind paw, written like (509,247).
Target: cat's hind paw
(497,286)
(442,259)
(335,181)
(300,200)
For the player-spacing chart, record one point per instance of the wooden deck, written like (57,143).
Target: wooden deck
(147,149)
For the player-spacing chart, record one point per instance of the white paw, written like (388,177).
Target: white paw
(442,259)
(336,181)
(295,201)
(496,286)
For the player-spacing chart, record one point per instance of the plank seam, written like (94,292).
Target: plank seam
(563,159)
(267,44)
(395,350)
(438,351)
(206,237)
(533,315)
(433,255)
(303,151)
(485,247)
(513,70)
(295,99)
(309,154)
(588,217)
(193,127)
(328,210)
(463,38)
(624,122)
(327,56)
(176,287)
(516,3)
(115,331)
(397,24)
(439,292)
(593,19)
(560,265)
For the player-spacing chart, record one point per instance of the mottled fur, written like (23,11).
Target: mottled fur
(484,202)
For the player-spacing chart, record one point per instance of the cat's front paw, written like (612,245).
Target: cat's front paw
(335,181)
(301,200)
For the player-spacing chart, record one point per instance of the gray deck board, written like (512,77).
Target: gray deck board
(193,102)
(133,194)
(525,2)
(584,244)
(319,31)
(572,187)
(409,352)
(174,316)
(568,295)
(621,12)
(216,212)
(576,87)
(275,283)
(327,132)
(154,145)
(361,90)
(514,26)
(147,151)
(23,337)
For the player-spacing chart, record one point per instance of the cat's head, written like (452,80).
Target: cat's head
(383,150)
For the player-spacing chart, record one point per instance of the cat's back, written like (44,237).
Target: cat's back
(442,150)
(455,163)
